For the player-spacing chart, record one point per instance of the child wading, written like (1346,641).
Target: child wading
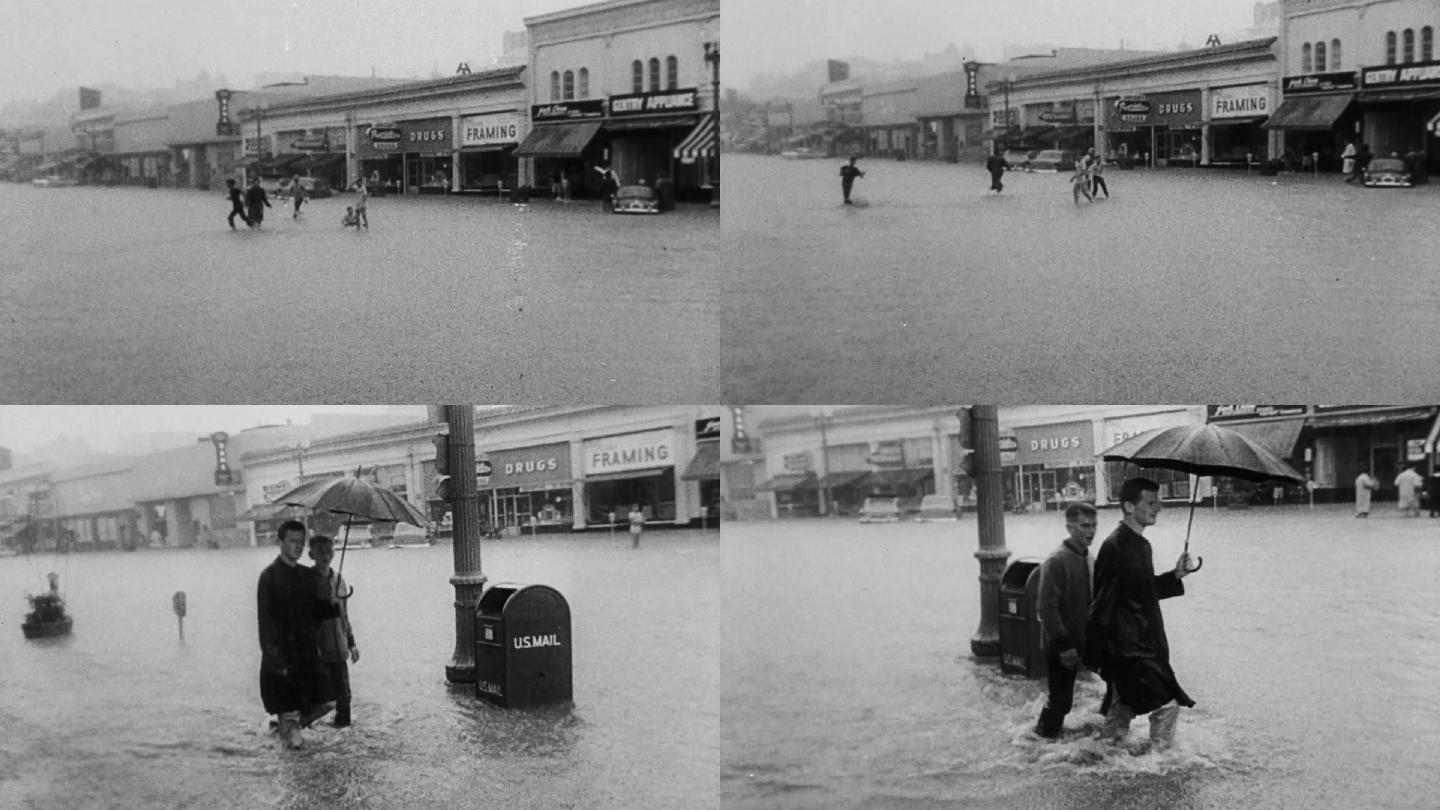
(336,638)
(637,525)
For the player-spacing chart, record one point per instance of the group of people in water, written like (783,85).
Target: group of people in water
(1085,182)
(251,203)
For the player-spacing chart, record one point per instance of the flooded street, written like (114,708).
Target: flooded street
(135,295)
(123,714)
(1279,287)
(1307,642)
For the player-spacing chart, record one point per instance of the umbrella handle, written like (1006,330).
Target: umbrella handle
(351,589)
(1199,563)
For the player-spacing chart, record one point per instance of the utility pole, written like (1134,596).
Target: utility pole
(990,509)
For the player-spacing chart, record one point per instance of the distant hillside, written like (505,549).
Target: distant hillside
(805,82)
(56,110)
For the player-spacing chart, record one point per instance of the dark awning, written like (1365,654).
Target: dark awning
(651,123)
(1371,418)
(621,476)
(786,482)
(1033,133)
(321,160)
(906,477)
(837,480)
(279,164)
(1309,112)
(558,140)
(1072,133)
(1277,436)
(705,466)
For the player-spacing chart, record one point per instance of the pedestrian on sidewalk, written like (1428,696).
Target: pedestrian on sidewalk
(1126,640)
(1409,483)
(847,177)
(637,524)
(1364,485)
(1064,604)
(237,204)
(336,638)
(996,165)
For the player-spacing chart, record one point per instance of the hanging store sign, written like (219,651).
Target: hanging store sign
(1059,114)
(670,101)
(492,129)
(1416,74)
(706,429)
(383,138)
(1179,109)
(634,451)
(1066,445)
(568,110)
(224,476)
(528,466)
(797,462)
(1319,83)
(1252,101)
(1220,413)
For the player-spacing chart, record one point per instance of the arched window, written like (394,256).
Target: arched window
(1334,54)
(584,82)
(554,85)
(1390,47)
(1409,45)
(1427,44)
(654,74)
(1319,57)
(672,73)
(637,81)
(1305,58)
(569,85)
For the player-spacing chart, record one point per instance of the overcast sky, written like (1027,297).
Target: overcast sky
(50,45)
(24,427)
(781,35)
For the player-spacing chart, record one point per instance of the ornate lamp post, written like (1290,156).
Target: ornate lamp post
(990,508)
(712,55)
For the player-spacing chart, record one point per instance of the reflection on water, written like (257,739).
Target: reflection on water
(122,713)
(1307,643)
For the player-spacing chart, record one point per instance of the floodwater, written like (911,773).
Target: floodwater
(124,714)
(1184,285)
(137,295)
(1308,642)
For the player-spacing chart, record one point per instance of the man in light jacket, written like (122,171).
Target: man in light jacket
(1064,607)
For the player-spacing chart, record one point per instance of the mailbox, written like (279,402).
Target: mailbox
(522,646)
(1020,635)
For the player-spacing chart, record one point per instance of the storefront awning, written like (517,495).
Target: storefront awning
(1309,112)
(650,123)
(1033,133)
(622,476)
(322,160)
(558,140)
(700,142)
(1278,436)
(1392,96)
(907,477)
(786,483)
(838,480)
(279,164)
(705,466)
(1373,418)
(1072,133)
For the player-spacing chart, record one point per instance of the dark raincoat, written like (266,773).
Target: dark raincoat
(1126,640)
(290,611)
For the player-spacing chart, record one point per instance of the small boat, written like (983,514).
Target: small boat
(47,617)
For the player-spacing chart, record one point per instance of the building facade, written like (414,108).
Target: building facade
(624,84)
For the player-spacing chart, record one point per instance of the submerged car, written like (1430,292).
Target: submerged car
(1019,159)
(937,508)
(1052,160)
(1387,173)
(880,510)
(636,200)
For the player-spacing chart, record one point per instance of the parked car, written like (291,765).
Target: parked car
(1019,159)
(406,535)
(880,510)
(636,200)
(1387,173)
(937,508)
(1053,160)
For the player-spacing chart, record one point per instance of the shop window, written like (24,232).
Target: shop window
(584,82)
(672,73)
(554,85)
(637,81)
(1409,45)
(1305,58)
(654,74)
(1390,48)
(1319,57)
(569,85)
(1334,54)
(1427,44)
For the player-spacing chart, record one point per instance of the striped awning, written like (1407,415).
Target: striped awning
(700,142)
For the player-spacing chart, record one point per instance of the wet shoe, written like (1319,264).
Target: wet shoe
(315,714)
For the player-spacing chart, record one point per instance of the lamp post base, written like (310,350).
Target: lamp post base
(985,646)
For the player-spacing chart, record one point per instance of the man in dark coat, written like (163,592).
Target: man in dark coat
(847,178)
(237,204)
(256,201)
(1126,638)
(1064,604)
(996,165)
(292,683)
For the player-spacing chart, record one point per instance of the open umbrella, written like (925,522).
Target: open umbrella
(354,497)
(1203,450)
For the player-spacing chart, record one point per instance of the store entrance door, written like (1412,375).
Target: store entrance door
(512,510)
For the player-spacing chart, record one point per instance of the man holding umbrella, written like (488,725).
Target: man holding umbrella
(292,685)
(1126,634)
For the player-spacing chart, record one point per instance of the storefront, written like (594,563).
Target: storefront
(1398,104)
(1163,129)
(631,469)
(565,141)
(704,467)
(1316,117)
(529,488)
(408,157)
(1236,116)
(487,151)
(645,129)
(1050,466)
